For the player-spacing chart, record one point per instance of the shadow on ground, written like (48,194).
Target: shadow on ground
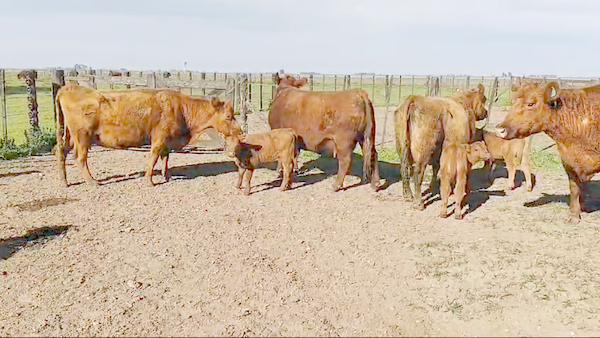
(9,246)
(590,200)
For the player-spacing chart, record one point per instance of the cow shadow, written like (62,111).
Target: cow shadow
(9,246)
(390,172)
(185,172)
(590,201)
(19,173)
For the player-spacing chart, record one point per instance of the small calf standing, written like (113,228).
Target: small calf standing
(255,149)
(455,163)
(511,151)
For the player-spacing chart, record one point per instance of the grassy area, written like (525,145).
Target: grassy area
(546,159)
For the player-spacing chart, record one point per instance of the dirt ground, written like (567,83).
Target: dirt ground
(196,257)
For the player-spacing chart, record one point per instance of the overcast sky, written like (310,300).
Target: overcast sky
(421,37)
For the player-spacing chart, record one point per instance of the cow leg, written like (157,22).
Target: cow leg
(459,194)
(418,172)
(165,164)
(62,150)
(248,180)
(82,146)
(444,195)
(575,186)
(344,161)
(527,170)
(154,154)
(241,172)
(288,169)
(512,171)
(434,187)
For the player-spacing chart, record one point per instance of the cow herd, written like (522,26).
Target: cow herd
(429,131)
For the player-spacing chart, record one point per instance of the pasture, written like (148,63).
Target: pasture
(196,257)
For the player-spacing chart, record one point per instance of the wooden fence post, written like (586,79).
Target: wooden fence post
(203,78)
(323,83)
(3,103)
(191,76)
(399,89)
(151,80)
(236,93)
(274,79)
(335,83)
(373,90)
(127,74)
(249,88)
(29,77)
(492,98)
(361,82)
(311,83)
(242,89)
(427,86)
(261,92)
(412,91)
(468,83)
(58,80)
(387,95)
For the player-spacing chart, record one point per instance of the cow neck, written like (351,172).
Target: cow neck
(196,115)
(577,117)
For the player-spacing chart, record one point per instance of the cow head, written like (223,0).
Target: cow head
(244,152)
(477,151)
(223,120)
(290,81)
(473,101)
(533,107)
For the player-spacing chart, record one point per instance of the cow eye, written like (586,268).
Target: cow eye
(531,104)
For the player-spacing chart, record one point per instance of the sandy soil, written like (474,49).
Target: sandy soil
(196,257)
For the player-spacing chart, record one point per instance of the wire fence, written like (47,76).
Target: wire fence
(252,92)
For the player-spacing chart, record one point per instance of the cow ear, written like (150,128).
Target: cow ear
(480,88)
(250,146)
(301,82)
(215,102)
(551,94)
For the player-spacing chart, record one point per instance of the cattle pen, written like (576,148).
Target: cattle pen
(250,92)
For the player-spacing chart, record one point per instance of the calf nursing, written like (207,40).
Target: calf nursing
(455,163)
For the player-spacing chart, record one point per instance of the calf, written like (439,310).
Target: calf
(455,163)
(511,151)
(255,149)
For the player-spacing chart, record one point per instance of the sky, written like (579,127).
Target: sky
(416,37)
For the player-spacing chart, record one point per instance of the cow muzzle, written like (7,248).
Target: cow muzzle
(502,132)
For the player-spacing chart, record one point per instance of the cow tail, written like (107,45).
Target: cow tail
(402,126)
(370,165)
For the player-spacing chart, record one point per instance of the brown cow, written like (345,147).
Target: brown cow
(511,152)
(455,163)
(329,122)
(165,119)
(424,124)
(571,117)
(254,149)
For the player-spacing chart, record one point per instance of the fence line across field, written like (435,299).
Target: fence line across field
(254,92)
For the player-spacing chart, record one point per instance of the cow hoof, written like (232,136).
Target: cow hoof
(458,216)
(93,183)
(529,188)
(574,219)
(336,188)
(247,192)
(420,207)
(443,215)
(149,183)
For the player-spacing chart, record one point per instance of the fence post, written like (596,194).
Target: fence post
(261,92)
(428,86)
(387,95)
(468,83)
(3,103)
(492,98)
(274,81)
(249,88)
(203,78)
(29,77)
(191,76)
(399,89)
(311,83)
(127,74)
(412,91)
(58,80)
(335,83)
(373,90)
(151,80)
(361,82)
(242,89)
(323,83)
(236,93)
